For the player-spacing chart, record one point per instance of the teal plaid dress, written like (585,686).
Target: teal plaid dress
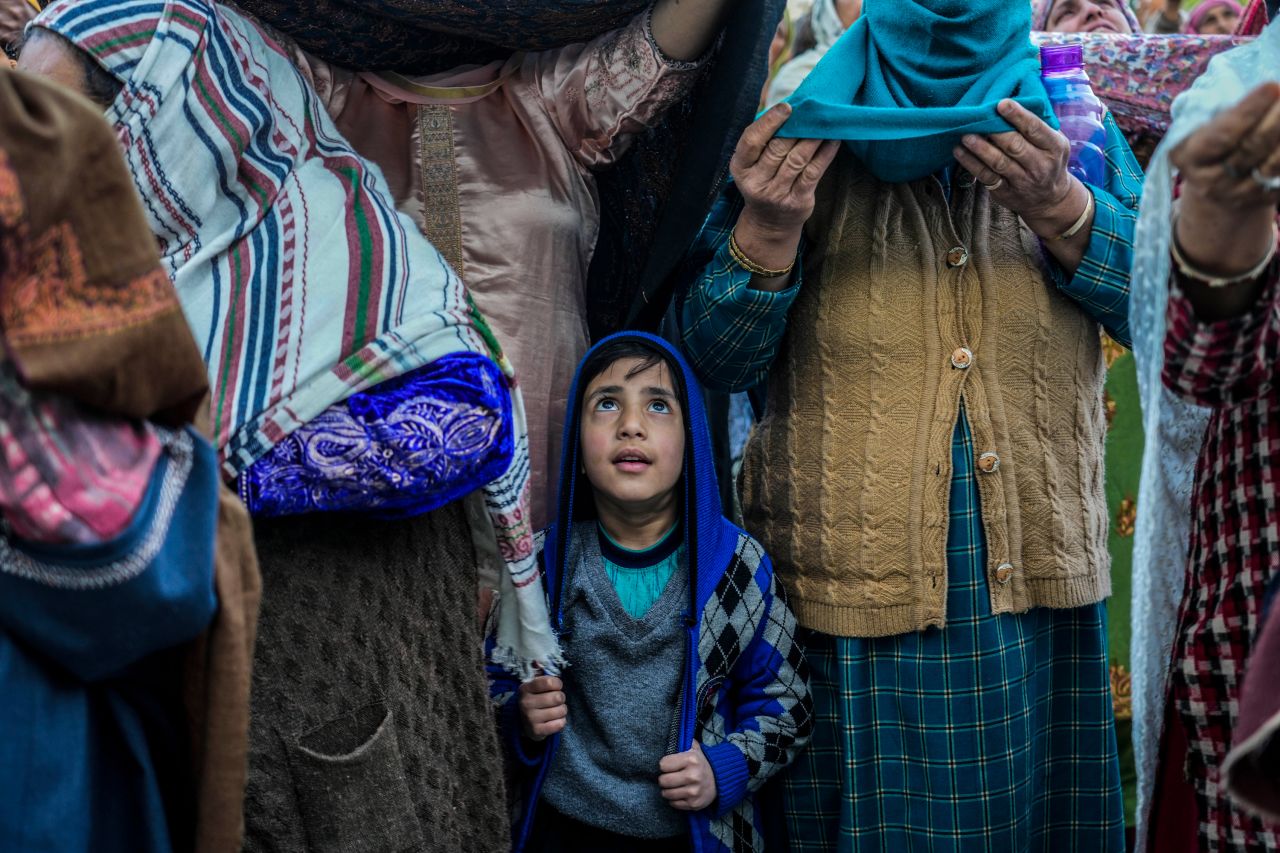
(994,734)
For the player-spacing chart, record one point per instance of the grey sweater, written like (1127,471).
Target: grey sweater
(622,690)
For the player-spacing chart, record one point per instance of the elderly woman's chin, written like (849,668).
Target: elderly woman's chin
(1105,26)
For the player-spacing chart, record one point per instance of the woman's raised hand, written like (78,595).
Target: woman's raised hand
(1025,170)
(1227,211)
(777,178)
(1225,227)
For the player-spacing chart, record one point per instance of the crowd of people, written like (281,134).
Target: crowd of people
(628,426)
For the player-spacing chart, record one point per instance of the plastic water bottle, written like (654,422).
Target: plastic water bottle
(1078,110)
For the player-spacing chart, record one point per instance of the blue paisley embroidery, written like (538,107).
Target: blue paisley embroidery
(402,448)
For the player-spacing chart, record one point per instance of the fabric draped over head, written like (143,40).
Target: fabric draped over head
(299,279)
(1254,20)
(302,283)
(826,23)
(910,77)
(1196,19)
(1174,428)
(1042,9)
(84,305)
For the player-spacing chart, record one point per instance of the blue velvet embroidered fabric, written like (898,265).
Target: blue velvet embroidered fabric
(403,448)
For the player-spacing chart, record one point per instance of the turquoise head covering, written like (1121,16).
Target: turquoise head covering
(910,77)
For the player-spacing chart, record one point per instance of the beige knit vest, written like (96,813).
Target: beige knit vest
(847,478)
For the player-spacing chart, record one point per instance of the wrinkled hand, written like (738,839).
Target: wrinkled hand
(1217,161)
(687,782)
(778,179)
(1026,170)
(543,709)
(1226,218)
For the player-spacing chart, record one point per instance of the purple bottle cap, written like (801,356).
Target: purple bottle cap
(1061,57)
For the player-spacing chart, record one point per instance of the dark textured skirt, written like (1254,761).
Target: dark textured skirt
(371,729)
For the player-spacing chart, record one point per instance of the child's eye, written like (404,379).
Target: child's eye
(607,405)
(662,407)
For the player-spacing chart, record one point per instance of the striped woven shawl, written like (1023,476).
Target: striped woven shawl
(301,282)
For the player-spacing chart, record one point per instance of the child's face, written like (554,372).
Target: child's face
(633,436)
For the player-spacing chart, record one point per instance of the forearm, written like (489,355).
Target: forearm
(1224,242)
(1061,218)
(731,331)
(769,247)
(685,29)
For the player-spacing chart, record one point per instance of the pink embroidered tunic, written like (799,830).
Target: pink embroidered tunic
(495,164)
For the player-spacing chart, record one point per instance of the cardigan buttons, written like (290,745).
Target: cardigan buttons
(988,463)
(962,358)
(957,257)
(1003,573)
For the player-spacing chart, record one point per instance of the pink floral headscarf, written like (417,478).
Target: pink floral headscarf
(1202,11)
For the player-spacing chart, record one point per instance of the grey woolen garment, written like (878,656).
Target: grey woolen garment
(371,727)
(621,687)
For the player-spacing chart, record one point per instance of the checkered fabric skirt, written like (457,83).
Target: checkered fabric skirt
(994,734)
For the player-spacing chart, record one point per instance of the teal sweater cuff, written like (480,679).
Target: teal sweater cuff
(730,768)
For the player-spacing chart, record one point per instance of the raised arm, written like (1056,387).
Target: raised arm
(1226,216)
(1086,230)
(1224,311)
(740,277)
(685,29)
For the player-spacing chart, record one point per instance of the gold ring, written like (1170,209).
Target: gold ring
(993,187)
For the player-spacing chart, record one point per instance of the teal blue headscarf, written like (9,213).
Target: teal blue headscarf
(910,77)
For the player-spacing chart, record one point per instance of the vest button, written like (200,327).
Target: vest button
(957,257)
(988,463)
(1003,573)
(962,358)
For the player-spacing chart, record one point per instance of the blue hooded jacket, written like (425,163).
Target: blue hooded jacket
(745,695)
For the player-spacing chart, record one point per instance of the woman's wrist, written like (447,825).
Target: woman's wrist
(774,248)
(1222,240)
(1062,217)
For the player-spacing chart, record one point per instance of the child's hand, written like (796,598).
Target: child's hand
(542,707)
(687,781)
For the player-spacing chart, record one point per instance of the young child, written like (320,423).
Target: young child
(686,689)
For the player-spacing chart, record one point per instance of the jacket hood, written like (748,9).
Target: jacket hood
(705,529)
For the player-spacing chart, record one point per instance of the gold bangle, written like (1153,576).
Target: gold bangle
(1084,217)
(1188,271)
(741,259)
